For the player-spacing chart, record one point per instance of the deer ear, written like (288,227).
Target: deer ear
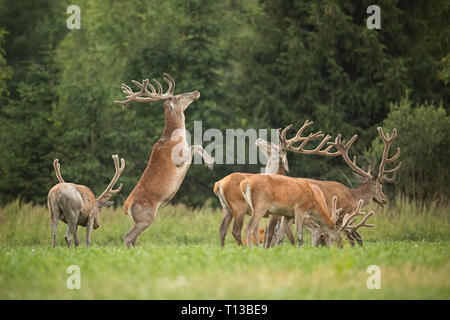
(360,177)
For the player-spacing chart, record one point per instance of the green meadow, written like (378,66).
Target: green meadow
(179,257)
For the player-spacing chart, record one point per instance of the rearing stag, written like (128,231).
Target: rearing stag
(170,158)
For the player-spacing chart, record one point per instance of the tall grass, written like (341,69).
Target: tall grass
(179,257)
(24,224)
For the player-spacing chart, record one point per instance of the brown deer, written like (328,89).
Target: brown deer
(75,204)
(296,198)
(170,158)
(228,191)
(372,183)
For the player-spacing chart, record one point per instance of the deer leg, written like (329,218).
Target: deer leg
(249,231)
(227,217)
(237,228)
(273,220)
(69,234)
(54,214)
(256,237)
(89,226)
(54,230)
(131,237)
(209,161)
(75,236)
(143,218)
(289,233)
(299,218)
(252,225)
(282,230)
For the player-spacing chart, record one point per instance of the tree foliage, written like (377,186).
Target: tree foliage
(257,64)
(422,135)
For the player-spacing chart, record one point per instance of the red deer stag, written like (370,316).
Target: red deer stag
(372,183)
(170,158)
(298,199)
(75,204)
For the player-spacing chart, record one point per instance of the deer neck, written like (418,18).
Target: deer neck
(364,192)
(173,122)
(273,168)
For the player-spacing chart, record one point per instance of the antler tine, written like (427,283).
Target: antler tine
(343,148)
(349,217)
(298,136)
(170,81)
(109,191)
(160,89)
(394,174)
(362,223)
(385,159)
(283,134)
(335,213)
(57,167)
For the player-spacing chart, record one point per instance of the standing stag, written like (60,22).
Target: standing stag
(75,204)
(229,193)
(372,183)
(298,199)
(170,158)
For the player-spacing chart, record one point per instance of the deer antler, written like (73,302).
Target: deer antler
(347,222)
(144,95)
(343,148)
(109,189)
(287,143)
(335,213)
(385,160)
(57,166)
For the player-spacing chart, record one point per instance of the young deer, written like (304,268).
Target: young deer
(372,183)
(228,191)
(75,204)
(170,158)
(294,198)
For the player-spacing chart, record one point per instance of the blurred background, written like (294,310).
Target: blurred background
(257,64)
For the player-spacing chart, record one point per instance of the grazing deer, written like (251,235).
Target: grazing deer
(228,191)
(295,198)
(372,183)
(170,158)
(75,204)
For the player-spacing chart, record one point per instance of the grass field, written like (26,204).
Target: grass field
(179,257)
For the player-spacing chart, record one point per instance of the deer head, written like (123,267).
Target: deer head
(274,153)
(373,182)
(278,153)
(173,105)
(103,199)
